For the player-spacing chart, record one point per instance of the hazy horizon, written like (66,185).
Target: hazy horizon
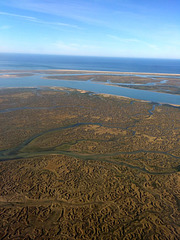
(97,28)
(93,56)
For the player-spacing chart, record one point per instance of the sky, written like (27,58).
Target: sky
(112,28)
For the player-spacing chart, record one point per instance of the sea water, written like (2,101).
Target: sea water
(44,62)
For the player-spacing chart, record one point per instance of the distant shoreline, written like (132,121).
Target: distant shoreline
(88,71)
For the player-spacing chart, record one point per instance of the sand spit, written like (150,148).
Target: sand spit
(87,71)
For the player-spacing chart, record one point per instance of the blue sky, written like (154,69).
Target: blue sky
(115,28)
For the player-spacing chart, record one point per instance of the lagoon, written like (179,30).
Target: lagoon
(96,87)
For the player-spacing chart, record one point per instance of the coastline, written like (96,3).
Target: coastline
(107,95)
(89,71)
(149,87)
(115,72)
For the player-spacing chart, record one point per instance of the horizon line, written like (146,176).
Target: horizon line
(68,55)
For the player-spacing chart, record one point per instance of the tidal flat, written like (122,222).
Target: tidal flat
(78,165)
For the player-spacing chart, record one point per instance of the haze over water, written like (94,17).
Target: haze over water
(36,61)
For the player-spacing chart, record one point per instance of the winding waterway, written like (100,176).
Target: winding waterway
(91,86)
(19,153)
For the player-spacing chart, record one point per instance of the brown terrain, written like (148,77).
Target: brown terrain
(74,165)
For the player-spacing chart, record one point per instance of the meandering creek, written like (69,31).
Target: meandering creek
(19,152)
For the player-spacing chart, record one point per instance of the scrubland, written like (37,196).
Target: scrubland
(75,165)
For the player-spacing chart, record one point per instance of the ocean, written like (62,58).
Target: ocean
(11,61)
(44,62)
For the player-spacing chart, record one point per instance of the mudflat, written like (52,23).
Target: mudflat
(77,165)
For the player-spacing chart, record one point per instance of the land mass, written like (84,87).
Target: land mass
(77,165)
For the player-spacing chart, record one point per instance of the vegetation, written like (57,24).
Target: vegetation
(79,166)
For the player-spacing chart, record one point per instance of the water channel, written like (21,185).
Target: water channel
(37,80)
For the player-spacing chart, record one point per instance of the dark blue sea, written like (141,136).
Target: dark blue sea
(44,62)
(35,61)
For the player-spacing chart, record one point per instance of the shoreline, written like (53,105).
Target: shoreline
(89,71)
(107,95)
(116,72)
